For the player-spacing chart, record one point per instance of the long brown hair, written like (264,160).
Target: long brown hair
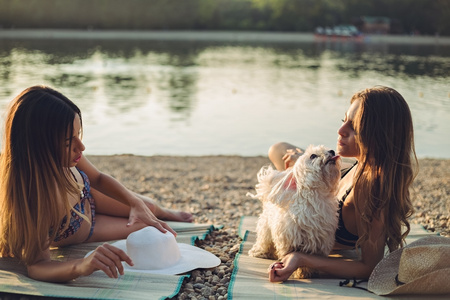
(388,163)
(34,176)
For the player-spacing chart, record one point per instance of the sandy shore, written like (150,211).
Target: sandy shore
(214,189)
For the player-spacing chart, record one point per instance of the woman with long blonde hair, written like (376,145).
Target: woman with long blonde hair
(51,195)
(374,192)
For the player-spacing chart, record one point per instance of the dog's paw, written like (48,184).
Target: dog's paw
(259,253)
(302,273)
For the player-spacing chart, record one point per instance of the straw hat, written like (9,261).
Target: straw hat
(422,267)
(159,253)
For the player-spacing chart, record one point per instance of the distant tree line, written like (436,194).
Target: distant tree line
(420,16)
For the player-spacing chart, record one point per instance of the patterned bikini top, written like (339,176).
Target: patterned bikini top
(75,219)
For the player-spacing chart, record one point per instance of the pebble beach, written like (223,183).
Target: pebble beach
(213,189)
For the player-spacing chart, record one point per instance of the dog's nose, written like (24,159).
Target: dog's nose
(332,153)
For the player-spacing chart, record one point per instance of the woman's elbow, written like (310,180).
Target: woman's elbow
(367,270)
(45,273)
(34,272)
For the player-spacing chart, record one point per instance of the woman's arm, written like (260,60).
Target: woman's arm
(371,253)
(139,211)
(106,258)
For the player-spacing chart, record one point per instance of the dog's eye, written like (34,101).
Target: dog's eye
(312,156)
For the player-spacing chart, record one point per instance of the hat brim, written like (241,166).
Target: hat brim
(191,258)
(382,280)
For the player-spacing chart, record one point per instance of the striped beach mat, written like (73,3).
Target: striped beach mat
(132,285)
(250,279)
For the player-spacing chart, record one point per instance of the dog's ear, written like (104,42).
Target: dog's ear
(266,177)
(266,173)
(283,191)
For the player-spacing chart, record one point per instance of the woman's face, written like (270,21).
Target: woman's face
(76,146)
(346,144)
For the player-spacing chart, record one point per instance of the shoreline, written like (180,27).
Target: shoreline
(213,36)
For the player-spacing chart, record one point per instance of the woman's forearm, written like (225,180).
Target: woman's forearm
(54,271)
(339,267)
(106,258)
(336,267)
(114,189)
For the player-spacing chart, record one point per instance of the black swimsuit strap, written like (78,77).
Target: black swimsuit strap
(347,192)
(73,175)
(345,171)
(343,236)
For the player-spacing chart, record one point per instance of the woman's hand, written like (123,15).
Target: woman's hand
(291,157)
(281,270)
(140,212)
(106,258)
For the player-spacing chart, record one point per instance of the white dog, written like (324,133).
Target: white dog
(300,207)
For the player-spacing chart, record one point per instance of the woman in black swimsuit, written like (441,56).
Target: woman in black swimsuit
(374,192)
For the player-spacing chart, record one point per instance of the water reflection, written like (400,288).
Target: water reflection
(396,65)
(194,89)
(69,80)
(181,89)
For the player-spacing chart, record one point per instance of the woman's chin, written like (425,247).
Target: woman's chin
(344,154)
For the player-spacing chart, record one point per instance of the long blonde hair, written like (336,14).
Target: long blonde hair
(34,176)
(388,163)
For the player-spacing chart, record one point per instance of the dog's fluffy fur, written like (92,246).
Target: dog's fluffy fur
(300,208)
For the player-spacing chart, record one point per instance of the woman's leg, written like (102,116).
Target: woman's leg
(165,213)
(105,205)
(276,153)
(109,228)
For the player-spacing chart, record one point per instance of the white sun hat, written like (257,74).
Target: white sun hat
(159,253)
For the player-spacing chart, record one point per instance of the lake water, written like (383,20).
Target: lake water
(227,98)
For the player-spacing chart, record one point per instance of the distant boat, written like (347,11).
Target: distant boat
(339,32)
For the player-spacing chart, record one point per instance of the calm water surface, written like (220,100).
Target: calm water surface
(200,98)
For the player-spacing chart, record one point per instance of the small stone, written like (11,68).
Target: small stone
(199,286)
(215,279)
(206,291)
(224,258)
(219,268)
(198,280)
(222,290)
(196,273)
(235,248)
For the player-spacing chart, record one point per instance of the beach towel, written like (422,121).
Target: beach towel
(250,279)
(132,285)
